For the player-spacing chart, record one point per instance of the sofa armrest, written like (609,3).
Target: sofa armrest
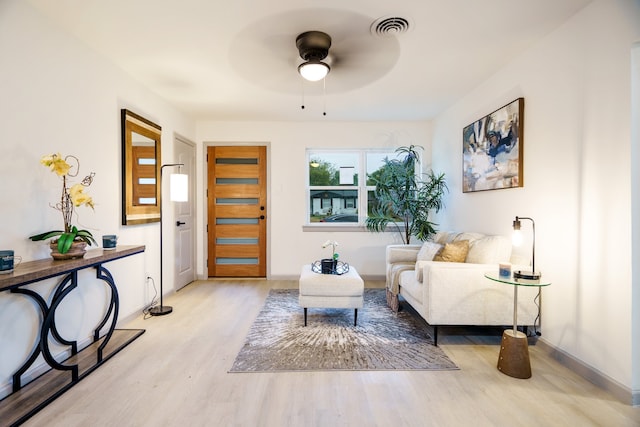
(402,253)
(398,259)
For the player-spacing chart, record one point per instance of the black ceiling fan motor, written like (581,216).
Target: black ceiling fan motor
(313,45)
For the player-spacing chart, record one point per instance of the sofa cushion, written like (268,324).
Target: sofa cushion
(411,286)
(443,237)
(419,269)
(489,250)
(470,236)
(453,252)
(428,251)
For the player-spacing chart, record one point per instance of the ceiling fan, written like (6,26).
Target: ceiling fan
(313,47)
(345,44)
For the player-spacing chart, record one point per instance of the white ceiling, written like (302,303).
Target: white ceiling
(236,60)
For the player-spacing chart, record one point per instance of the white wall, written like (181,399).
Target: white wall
(635,198)
(577,179)
(59,96)
(289,247)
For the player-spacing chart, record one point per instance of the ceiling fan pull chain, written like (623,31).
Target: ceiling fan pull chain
(302,89)
(324,96)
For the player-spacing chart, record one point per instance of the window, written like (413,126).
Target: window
(336,192)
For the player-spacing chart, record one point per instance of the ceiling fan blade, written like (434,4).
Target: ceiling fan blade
(356,56)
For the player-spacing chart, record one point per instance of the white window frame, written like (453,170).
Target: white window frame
(362,188)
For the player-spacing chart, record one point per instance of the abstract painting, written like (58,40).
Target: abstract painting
(492,150)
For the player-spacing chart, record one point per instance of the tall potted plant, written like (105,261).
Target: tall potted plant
(405,197)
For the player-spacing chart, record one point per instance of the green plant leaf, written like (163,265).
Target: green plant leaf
(86,237)
(66,240)
(47,235)
(406,198)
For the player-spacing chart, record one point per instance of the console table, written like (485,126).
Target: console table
(27,399)
(514,349)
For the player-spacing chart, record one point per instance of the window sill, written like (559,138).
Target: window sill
(333,227)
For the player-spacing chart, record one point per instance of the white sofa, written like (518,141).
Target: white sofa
(457,293)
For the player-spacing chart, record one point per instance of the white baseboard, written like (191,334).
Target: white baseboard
(621,392)
(285,277)
(129,318)
(297,276)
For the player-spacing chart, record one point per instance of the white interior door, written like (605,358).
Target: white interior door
(184,227)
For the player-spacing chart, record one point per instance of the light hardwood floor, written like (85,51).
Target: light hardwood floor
(176,375)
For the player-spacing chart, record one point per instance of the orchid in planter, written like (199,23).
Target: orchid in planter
(333,245)
(71,197)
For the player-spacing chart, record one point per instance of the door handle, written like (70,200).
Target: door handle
(179,223)
(261,216)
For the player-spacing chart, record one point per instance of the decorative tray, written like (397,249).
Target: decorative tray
(329,266)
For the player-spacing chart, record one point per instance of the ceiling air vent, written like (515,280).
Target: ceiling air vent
(390,26)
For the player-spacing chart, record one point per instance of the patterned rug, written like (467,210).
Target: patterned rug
(382,340)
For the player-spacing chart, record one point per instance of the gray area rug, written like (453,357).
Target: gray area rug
(382,340)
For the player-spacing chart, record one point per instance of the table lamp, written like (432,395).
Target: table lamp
(517,241)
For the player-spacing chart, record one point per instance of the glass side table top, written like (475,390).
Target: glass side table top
(510,280)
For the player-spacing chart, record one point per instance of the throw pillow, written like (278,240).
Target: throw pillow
(470,236)
(428,251)
(453,252)
(489,250)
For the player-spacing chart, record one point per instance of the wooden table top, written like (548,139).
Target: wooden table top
(33,271)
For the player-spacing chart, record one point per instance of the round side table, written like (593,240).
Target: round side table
(514,349)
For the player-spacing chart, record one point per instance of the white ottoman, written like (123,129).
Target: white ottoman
(330,291)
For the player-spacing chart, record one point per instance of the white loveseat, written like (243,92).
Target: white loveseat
(457,293)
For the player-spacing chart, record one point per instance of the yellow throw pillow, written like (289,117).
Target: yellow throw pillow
(453,252)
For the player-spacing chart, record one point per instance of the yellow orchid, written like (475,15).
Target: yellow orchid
(56,163)
(48,159)
(71,197)
(78,196)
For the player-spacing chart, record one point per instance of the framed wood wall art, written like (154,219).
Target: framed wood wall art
(492,151)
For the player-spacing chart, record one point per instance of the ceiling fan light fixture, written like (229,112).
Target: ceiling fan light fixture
(313,47)
(313,70)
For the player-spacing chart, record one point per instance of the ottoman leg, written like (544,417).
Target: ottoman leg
(355,318)
(305,316)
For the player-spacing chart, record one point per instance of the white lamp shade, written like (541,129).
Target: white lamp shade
(313,71)
(516,238)
(179,187)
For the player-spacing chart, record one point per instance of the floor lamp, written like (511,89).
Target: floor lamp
(178,192)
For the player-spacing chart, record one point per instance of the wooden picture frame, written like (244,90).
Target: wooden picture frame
(492,150)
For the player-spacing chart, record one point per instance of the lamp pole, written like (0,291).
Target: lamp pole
(162,309)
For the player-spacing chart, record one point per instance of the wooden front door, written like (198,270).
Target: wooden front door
(237,211)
